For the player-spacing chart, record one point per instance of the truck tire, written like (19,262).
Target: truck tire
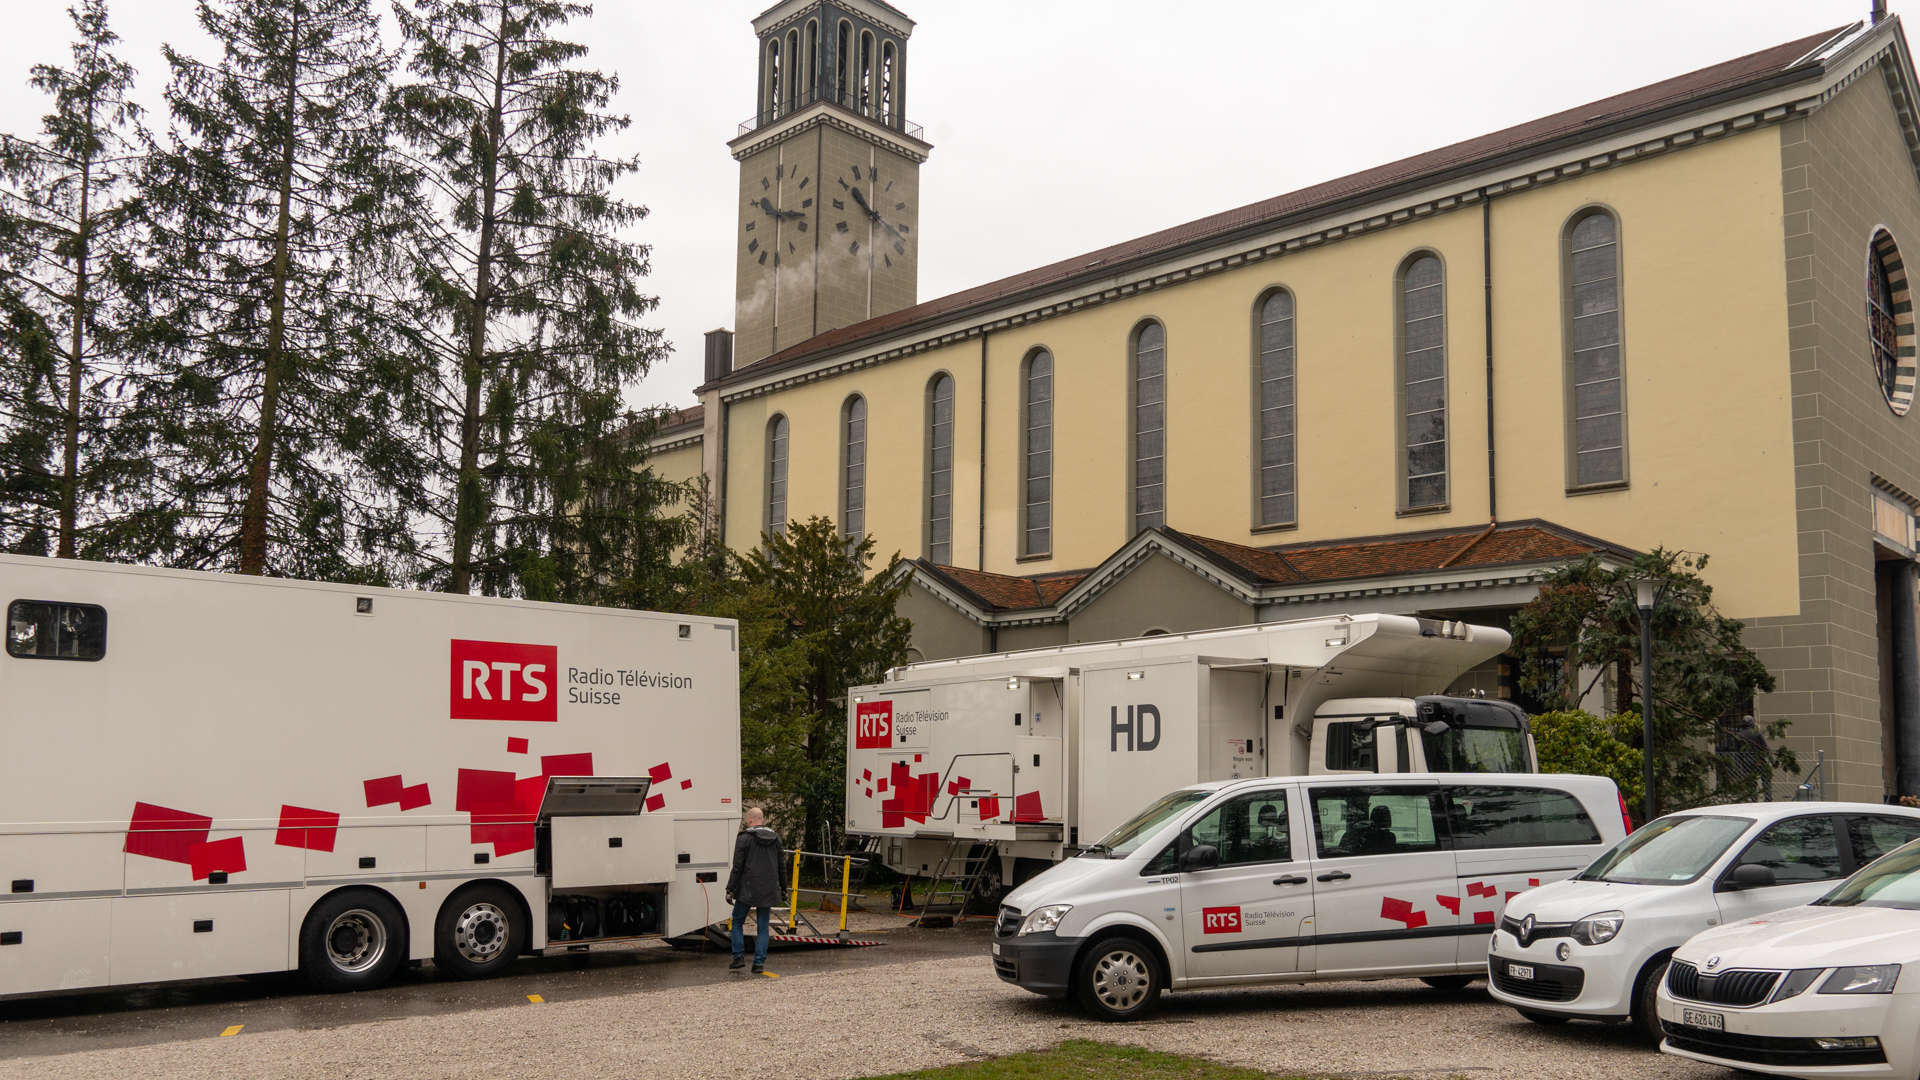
(1646,1015)
(354,939)
(1118,979)
(479,932)
(1449,982)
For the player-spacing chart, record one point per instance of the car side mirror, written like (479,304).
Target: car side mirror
(1200,857)
(1751,876)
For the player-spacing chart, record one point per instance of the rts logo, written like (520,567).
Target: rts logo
(498,680)
(873,725)
(1220,920)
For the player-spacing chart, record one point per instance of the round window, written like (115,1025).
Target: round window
(1890,323)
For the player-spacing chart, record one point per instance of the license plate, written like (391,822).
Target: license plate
(996,948)
(1520,971)
(1701,1018)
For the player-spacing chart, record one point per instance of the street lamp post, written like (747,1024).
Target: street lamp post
(1647,591)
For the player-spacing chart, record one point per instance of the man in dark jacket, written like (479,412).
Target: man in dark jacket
(754,883)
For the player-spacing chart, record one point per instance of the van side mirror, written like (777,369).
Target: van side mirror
(1200,857)
(1751,876)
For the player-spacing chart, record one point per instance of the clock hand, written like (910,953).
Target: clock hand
(766,205)
(862,200)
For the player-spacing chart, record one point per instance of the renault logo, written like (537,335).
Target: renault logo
(1526,931)
(1713,961)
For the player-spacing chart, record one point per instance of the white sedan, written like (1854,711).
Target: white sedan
(1808,991)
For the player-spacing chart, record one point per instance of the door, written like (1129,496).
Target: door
(1804,855)
(1381,870)
(1247,916)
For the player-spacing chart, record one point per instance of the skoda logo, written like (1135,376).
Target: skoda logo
(1713,961)
(1526,930)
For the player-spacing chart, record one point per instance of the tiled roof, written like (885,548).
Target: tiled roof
(1006,592)
(1514,542)
(691,416)
(1745,73)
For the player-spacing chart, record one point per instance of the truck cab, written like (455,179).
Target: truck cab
(1432,733)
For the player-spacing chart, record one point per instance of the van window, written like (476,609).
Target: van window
(1247,829)
(48,630)
(1349,748)
(1875,835)
(1797,849)
(1374,820)
(1501,817)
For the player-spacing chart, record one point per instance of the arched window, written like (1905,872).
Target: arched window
(813,61)
(1149,427)
(866,74)
(843,63)
(940,470)
(795,63)
(773,79)
(777,475)
(886,83)
(1273,367)
(1037,521)
(1889,321)
(853,472)
(1596,414)
(1423,382)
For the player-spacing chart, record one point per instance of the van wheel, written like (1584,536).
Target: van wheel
(1118,979)
(354,939)
(1449,982)
(1646,1014)
(1549,1019)
(479,933)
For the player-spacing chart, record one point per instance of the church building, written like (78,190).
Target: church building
(1674,318)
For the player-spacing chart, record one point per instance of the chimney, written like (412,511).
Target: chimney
(1879,11)
(719,354)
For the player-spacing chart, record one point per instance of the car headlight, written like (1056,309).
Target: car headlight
(1599,929)
(1044,919)
(1875,979)
(1796,983)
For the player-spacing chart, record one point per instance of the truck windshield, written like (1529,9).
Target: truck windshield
(1473,746)
(1670,851)
(1124,840)
(1892,882)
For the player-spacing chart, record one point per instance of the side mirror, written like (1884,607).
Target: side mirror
(1200,857)
(1751,876)
(1438,727)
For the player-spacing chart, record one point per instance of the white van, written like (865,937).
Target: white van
(1596,947)
(1298,879)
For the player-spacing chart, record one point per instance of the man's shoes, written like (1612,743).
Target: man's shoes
(759,969)
(738,963)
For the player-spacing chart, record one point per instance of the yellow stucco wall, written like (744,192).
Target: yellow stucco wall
(676,465)
(1706,367)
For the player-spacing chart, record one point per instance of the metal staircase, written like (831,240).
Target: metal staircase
(956,878)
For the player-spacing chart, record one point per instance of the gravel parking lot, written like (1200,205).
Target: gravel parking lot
(891,1017)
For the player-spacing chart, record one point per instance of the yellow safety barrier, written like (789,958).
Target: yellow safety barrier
(847,863)
(793,898)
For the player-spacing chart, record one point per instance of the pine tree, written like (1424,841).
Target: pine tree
(66,231)
(529,303)
(274,209)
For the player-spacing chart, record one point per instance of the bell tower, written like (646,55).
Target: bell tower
(829,222)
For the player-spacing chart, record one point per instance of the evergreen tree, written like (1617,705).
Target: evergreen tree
(66,230)
(274,210)
(529,301)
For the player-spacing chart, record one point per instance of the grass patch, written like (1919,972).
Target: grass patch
(1080,1059)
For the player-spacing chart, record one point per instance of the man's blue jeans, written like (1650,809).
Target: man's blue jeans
(763,916)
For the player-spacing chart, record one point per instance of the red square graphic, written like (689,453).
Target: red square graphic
(566,765)
(412,798)
(160,833)
(661,773)
(1220,920)
(229,855)
(313,830)
(655,802)
(873,725)
(685,784)
(499,680)
(1483,916)
(383,790)
(516,746)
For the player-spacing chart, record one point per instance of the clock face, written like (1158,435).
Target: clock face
(777,215)
(864,213)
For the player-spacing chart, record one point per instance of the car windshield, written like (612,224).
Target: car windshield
(1127,838)
(1893,881)
(1669,851)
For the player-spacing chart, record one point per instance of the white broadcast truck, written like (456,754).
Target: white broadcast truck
(1024,755)
(214,775)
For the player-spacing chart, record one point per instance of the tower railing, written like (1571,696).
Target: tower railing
(845,97)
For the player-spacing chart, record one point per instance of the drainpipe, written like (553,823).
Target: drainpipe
(983,456)
(1906,683)
(1486,264)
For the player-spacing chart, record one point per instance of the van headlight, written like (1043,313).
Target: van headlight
(1599,929)
(1044,919)
(1877,979)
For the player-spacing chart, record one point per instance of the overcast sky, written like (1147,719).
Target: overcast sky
(1061,126)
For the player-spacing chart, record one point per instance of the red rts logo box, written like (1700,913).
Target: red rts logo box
(1220,920)
(498,680)
(873,725)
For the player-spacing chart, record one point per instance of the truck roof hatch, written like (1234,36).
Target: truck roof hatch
(593,796)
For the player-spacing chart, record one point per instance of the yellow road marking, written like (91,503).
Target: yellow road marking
(535,998)
(234,1030)
(770,975)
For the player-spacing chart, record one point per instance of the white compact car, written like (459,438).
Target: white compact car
(1595,946)
(1290,879)
(1829,989)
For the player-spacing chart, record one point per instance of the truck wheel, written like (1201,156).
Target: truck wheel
(479,933)
(989,888)
(354,939)
(1118,979)
(1646,1013)
(1449,982)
